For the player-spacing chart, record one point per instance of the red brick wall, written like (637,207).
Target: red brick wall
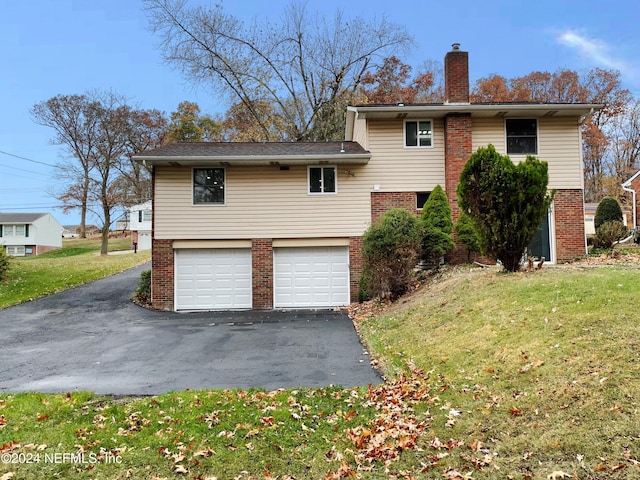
(569,225)
(456,77)
(457,150)
(383,201)
(355,266)
(162,272)
(262,273)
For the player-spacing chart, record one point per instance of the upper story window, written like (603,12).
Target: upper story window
(208,186)
(14,230)
(144,215)
(418,133)
(522,136)
(323,180)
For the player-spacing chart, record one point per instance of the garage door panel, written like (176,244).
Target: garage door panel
(213,279)
(311,277)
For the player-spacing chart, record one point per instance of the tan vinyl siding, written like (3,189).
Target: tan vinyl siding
(398,169)
(558,144)
(488,131)
(360,132)
(261,202)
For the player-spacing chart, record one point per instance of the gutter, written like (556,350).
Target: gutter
(633,193)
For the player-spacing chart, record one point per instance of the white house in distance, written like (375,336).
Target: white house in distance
(26,234)
(140,222)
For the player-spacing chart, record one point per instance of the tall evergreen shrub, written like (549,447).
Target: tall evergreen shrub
(506,201)
(437,227)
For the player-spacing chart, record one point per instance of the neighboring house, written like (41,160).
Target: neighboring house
(26,234)
(70,231)
(122,224)
(280,225)
(140,217)
(633,186)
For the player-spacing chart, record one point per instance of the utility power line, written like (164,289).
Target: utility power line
(27,159)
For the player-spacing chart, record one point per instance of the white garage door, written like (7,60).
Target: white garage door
(213,279)
(311,277)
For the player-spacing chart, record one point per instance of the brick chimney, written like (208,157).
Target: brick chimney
(456,76)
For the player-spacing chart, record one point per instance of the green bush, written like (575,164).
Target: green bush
(143,293)
(506,201)
(437,227)
(608,233)
(5,263)
(608,211)
(467,234)
(390,251)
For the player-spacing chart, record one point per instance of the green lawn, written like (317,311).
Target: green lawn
(77,262)
(490,376)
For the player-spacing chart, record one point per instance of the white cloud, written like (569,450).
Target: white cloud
(592,49)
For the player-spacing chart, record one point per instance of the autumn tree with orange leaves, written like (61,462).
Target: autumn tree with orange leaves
(602,171)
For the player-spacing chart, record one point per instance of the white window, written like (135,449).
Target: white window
(146,216)
(14,230)
(522,136)
(323,180)
(208,186)
(418,133)
(15,251)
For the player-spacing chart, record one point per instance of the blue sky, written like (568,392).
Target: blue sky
(51,47)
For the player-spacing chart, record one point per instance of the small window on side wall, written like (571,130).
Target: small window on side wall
(522,136)
(421,199)
(418,133)
(322,180)
(208,186)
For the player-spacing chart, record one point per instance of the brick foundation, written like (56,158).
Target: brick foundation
(355,266)
(569,225)
(162,273)
(262,273)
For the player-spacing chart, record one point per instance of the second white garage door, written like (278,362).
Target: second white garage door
(213,279)
(309,277)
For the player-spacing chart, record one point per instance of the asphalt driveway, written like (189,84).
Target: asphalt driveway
(93,338)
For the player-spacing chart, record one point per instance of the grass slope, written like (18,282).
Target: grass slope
(543,367)
(77,262)
(490,376)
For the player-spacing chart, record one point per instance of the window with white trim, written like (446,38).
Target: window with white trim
(522,136)
(14,230)
(208,186)
(418,133)
(323,180)
(15,251)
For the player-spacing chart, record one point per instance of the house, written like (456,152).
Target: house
(633,186)
(26,234)
(280,225)
(70,231)
(140,218)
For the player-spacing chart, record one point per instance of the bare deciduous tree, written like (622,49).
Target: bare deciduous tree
(303,66)
(101,132)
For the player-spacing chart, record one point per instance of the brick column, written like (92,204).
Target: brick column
(569,225)
(162,275)
(355,266)
(262,273)
(457,150)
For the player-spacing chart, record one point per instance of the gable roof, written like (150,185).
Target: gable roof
(20,217)
(255,153)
